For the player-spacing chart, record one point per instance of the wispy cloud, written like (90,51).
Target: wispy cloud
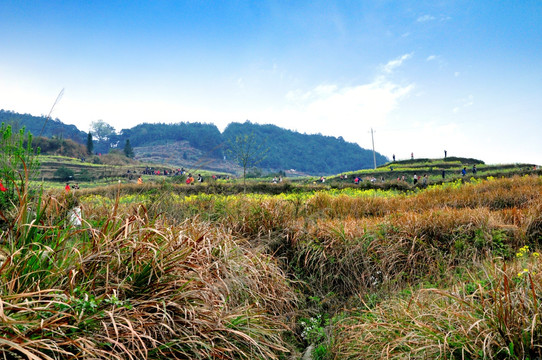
(431,58)
(346,111)
(426,18)
(429,18)
(394,64)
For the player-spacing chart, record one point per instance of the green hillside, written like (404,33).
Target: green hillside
(437,171)
(284,149)
(39,125)
(312,154)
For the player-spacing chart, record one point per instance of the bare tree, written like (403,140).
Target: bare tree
(247,152)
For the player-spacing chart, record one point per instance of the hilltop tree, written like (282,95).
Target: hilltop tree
(90,143)
(247,152)
(102,130)
(128,150)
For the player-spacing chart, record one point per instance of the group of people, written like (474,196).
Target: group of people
(358,180)
(190,179)
(152,171)
(74,186)
(412,155)
(415,179)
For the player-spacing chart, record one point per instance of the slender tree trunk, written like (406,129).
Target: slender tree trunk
(245,179)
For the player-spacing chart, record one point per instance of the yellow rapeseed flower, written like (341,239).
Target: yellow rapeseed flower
(525,271)
(536,254)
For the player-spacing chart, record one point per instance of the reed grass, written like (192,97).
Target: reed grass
(349,244)
(494,314)
(130,286)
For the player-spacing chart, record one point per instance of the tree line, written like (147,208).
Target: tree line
(283,149)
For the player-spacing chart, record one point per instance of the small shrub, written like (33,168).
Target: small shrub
(64,174)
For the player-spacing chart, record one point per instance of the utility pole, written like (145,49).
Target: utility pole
(374,155)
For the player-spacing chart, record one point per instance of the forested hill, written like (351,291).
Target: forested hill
(313,154)
(286,149)
(204,137)
(34,124)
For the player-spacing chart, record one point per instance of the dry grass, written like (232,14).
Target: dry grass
(135,287)
(207,277)
(495,314)
(347,245)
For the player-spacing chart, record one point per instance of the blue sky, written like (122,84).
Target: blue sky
(465,76)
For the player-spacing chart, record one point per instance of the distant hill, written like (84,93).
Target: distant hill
(181,154)
(204,137)
(204,146)
(312,154)
(34,124)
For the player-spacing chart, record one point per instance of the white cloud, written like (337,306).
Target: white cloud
(425,18)
(368,103)
(347,111)
(431,58)
(457,73)
(300,97)
(393,64)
